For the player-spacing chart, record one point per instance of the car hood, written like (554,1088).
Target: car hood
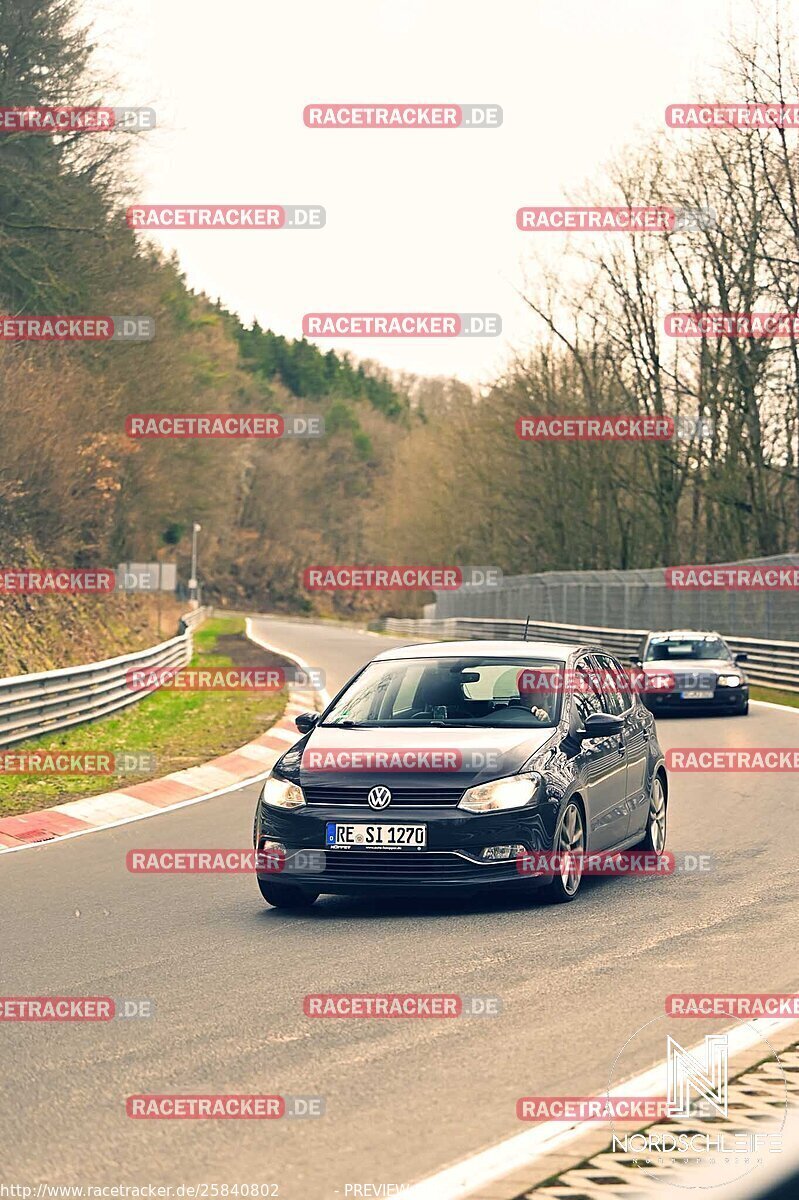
(436,756)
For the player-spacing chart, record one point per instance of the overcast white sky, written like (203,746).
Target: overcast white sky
(416,221)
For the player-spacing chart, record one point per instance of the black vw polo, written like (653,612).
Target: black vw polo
(440,765)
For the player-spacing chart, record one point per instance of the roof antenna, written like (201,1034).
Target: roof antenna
(526,627)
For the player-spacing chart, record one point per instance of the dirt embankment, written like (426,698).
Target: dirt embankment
(41,633)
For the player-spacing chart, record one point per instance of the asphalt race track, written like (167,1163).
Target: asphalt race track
(404,1098)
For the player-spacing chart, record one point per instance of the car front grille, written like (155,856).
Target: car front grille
(402,796)
(694,681)
(395,866)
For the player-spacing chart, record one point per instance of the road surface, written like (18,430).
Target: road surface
(404,1098)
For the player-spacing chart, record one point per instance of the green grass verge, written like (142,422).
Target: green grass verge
(774,696)
(181,729)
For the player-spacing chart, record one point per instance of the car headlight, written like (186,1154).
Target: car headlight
(279,793)
(514,792)
(729,680)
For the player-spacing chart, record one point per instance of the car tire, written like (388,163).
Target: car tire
(286,895)
(656,823)
(569,834)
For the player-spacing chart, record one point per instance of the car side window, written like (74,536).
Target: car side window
(586,696)
(616,695)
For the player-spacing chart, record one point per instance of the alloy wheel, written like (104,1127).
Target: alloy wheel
(657,815)
(571,846)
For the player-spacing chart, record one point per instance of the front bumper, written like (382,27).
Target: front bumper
(455,841)
(726,699)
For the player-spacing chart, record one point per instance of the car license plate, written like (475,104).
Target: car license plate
(697,695)
(377,837)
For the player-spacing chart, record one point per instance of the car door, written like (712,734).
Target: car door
(602,764)
(636,739)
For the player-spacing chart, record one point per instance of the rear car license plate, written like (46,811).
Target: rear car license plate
(376,837)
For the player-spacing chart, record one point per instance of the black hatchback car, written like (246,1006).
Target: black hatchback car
(440,766)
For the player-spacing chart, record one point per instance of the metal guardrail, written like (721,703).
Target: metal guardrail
(774,664)
(32,705)
(632,597)
(193,618)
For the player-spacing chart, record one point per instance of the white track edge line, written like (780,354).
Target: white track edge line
(301,663)
(522,1150)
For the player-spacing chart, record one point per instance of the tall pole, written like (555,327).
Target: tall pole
(158,597)
(195,529)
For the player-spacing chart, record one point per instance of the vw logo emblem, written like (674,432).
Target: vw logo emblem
(379,797)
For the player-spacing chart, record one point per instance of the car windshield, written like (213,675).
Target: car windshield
(665,649)
(477,691)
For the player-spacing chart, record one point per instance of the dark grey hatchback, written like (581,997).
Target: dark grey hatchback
(440,766)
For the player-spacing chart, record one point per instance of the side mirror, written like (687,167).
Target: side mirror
(306,721)
(601,725)
(741,658)
(635,660)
